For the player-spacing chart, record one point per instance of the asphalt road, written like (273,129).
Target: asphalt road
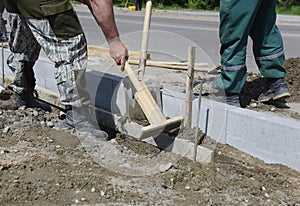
(172,32)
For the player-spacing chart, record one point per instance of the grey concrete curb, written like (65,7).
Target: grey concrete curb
(271,138)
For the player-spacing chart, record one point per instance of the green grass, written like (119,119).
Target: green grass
(294,10)
(75,2)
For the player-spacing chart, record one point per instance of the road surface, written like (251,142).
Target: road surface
(172,32)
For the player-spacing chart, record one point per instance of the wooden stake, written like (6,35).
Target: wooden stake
(189,87)
(3,75)
(197,123)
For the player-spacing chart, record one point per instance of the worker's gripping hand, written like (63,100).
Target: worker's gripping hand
(118,52)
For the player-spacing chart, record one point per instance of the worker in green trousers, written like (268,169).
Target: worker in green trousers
(257,19)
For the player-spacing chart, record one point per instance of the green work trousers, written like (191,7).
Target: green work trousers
(238,20)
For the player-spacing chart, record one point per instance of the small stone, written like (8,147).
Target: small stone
(15,184)
(50,140)
(2,168)
(253,105)
(2,152)
(93,189)
(50,124)
(43,123)
(187,187)
(113,141)
(273,109)
(263,188)
(6,130)
(102,193)
(267,195)
(76,201)
(22,108)
(219,153)
(35,113)
(196,188)
(83,199)
(62,115)
(140,191)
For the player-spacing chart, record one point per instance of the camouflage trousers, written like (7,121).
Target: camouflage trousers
(3,37)
(69,56)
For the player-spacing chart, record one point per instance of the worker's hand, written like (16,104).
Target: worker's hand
(118,52)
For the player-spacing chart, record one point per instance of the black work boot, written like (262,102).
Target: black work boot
(82,119)
(27,99)
(275,89)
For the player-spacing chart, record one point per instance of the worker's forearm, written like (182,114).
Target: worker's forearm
(104,15)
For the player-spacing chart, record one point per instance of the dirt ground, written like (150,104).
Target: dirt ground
(41,165)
